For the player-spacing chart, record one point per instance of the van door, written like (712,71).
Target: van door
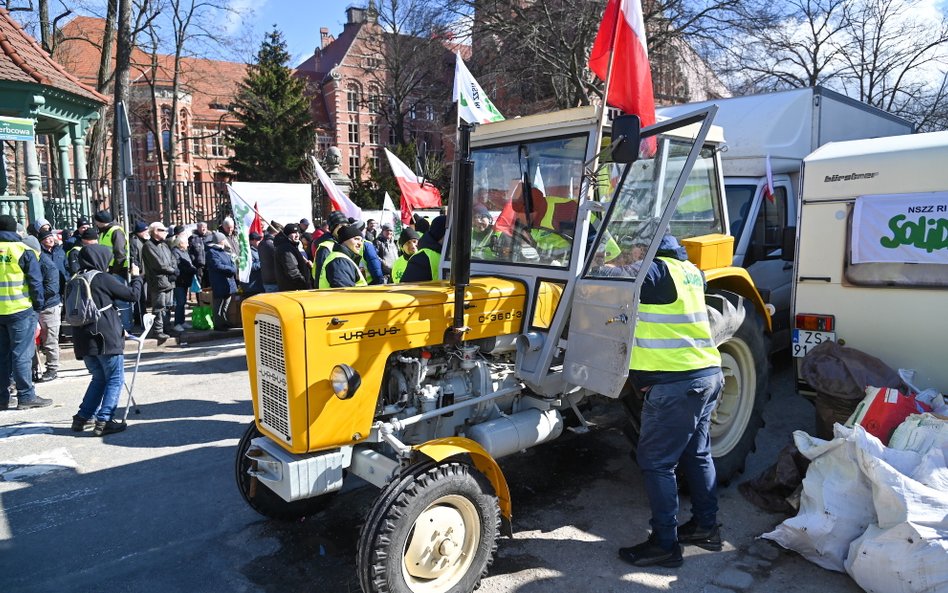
(772,276)
(605,303)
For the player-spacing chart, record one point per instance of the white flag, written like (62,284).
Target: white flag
(390,215)
(473,105)
(339,200)
(244,215)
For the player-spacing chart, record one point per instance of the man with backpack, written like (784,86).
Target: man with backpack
(98,336)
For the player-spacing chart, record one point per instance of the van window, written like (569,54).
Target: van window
(767,234)
(738,199)
(890,274)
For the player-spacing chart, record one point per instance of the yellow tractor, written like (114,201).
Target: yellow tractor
(418,389)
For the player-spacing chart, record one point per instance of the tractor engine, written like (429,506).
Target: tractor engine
(426,379)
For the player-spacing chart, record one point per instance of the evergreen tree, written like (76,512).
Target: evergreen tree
(278,133)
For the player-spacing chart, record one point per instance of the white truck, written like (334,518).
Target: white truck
(871,270)
(786,127)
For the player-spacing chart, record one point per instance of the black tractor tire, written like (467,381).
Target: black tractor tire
(406,546)
(265,501)
(738,331)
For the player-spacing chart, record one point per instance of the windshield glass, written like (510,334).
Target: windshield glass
(641,198)
(526,198)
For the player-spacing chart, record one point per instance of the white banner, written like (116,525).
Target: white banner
(272,202)
(901,228)
(474,106)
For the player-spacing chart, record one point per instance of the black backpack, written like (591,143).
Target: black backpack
(80,310)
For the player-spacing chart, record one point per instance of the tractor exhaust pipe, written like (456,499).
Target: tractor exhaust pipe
(462,196)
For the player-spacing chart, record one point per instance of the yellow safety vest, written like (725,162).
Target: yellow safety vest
(398,268)
(328,246)
(434,260)
(14,292)
(106,239)
(677,336)
(324,282)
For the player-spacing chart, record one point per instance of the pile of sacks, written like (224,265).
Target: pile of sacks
(878,512)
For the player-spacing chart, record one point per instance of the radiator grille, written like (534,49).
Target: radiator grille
(272,394)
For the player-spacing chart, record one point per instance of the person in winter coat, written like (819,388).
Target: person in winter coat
(135,243)
(69,244)
(196,251)
(49,317)
(341,268)
(222,272)
(266,251)
(387,249)
(292,267)
(182,284)
(254,285)
(407,246)
(101,346)
(424,264)
(161,269)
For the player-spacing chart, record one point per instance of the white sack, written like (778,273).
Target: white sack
(898,560)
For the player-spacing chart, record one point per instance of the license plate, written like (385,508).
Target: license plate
(806,340)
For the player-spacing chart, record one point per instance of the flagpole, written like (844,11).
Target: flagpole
(600,128)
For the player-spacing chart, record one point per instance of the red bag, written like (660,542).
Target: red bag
(883,409)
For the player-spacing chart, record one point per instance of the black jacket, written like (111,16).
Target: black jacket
(50,280)
(419,268)
(196,250)
(186,269)
(267,264)
(107,337)
(292,269)
(160,268)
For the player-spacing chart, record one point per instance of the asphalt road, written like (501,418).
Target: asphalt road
(155,509)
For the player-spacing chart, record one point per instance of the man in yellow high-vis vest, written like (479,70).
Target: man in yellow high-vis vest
(423,266)
(21,299)
(676,369)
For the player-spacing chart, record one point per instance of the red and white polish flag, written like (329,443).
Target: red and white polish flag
(415,193)
(622,34)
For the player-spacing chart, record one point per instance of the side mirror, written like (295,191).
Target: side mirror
(788,243)
(625,137)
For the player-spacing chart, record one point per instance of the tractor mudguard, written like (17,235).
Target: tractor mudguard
(441,449)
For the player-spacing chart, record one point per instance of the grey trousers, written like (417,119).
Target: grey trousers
(50,320)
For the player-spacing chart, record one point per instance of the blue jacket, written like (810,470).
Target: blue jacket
(255,285)
(373,262)
(51,284)
(31,270)
(222,271)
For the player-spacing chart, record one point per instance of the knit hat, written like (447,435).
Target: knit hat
(43,234)
(291,228)
(304,221)
(82,221)
(7,223)
(407,235)
(254,236)
(140,227)
(438,227)
(421,223)
(89,234)
(336,218)
(481,211)
(347,232)
(103,216)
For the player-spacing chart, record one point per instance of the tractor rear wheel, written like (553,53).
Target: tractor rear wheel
(433,530)
(263,500)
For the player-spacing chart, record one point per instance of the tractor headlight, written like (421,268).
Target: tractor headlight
(345,381)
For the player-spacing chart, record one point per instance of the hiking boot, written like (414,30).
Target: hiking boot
(705,538)
(162,337)
(104,427)
(49,375)
(79,423)
(651,553)
(36,402)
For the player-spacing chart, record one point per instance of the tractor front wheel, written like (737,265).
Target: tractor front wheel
(432,530)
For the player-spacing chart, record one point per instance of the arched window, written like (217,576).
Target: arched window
(352,97)
(165,130)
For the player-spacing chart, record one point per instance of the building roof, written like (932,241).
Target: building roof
(212,84)
(23,60)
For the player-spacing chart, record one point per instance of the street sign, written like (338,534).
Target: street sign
(17,128)
(125,139)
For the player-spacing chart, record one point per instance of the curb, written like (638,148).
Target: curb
(186,339)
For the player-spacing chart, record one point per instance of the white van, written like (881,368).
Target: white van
(871,269)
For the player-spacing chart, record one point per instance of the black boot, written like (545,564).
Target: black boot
(79,423)
(104,427)
(650,552)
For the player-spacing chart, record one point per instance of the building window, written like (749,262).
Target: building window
(354,166)
(374,103)
(352,97)
(375,160)
(373,133)
(217,145)
(413,112)
(429,112)
(392,140)
(323,143)
(353,132)
(197,142)
(150,146)
(371,63)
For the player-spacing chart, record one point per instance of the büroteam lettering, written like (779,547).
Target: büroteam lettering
(850,177)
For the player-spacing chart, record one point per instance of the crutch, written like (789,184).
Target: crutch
(148,319)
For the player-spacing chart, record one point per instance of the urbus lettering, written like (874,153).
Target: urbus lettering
(929,234)
(370,333)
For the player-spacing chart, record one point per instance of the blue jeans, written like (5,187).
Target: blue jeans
(102,395)
(17,346)
(180,298)
(676,420)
